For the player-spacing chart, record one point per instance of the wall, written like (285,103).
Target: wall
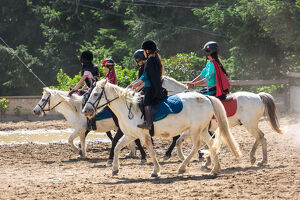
(26,104)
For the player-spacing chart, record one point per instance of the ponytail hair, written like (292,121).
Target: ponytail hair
(215,56)
(161,65)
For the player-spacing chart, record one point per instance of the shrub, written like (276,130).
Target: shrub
(3,105)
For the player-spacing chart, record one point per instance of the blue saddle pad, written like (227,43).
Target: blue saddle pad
(104,114)
(171,105)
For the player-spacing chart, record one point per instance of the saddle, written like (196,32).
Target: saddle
(171,105)
(230,105)
(104,114)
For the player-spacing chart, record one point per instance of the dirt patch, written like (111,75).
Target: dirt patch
(27,171)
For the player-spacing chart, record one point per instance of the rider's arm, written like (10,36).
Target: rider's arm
(80,82)
(141,86)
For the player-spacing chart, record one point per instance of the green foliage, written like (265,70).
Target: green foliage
(3,105)
(65,82)
(124,76)
(270,89)
(184,66)
(259,39)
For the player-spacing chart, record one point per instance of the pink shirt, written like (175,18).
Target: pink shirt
(88,74)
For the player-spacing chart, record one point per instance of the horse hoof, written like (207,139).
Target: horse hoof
(80,153)
(214,173)
(252,160)
(261,163)
(143,161)
(167,157)
(130,155)
(154,175)
(115,172)
(204,168)
(181,171)
(109,162)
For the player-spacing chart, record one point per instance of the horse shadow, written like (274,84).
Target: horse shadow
(184,177)
(159,180)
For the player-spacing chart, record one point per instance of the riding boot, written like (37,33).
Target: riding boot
(147,124)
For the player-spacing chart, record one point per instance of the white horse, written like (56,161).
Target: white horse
(250,108)
(195,117)
(70,108)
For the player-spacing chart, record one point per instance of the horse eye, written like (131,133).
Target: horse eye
(96,94)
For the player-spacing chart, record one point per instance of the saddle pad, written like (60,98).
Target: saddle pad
(104,114)
(230,106)
(171,105)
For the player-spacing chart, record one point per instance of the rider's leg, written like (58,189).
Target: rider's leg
(147,124)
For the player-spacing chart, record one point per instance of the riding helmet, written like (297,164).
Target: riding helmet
(149,45)
(212,46)
(108,62)
(86,56)
(139,55)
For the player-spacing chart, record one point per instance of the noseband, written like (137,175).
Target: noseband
(45,101)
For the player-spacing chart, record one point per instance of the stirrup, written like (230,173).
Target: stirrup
(144,125)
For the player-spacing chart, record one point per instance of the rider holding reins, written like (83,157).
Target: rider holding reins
(213,76)
(151,81)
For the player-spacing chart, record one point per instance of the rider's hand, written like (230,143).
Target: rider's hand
(71,92)
(190,85)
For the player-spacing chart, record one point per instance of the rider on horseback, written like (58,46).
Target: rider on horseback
(89,75)
(151,81)
(213,76)
(109,66)
(140,61)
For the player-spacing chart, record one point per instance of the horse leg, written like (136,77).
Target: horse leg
(264,149)
(149,146)
(171,147)
(252,152)
(118,135)
(196,145)
(82,152)
(213,153)
(143,153)
(71,141)
(259,136)
(123,142)
(132,152)
(108,133)
(179,145)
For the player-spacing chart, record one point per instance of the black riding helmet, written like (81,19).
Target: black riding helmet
(86,56)
(212,46)
(139,55)
(149,45)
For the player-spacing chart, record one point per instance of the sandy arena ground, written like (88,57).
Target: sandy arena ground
(27,170)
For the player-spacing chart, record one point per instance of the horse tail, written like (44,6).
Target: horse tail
(225,132)
(271,111)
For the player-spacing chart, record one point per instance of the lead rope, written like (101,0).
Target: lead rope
(30,70)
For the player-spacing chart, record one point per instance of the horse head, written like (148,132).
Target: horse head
(97,99)
(49,101)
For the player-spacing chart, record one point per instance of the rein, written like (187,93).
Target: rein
(97,101)
(95,104)
(48,101)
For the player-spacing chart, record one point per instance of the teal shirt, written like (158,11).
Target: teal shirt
(145,79)
(209,74)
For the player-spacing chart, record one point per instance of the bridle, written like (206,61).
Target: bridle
(96,106)
(45,101)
